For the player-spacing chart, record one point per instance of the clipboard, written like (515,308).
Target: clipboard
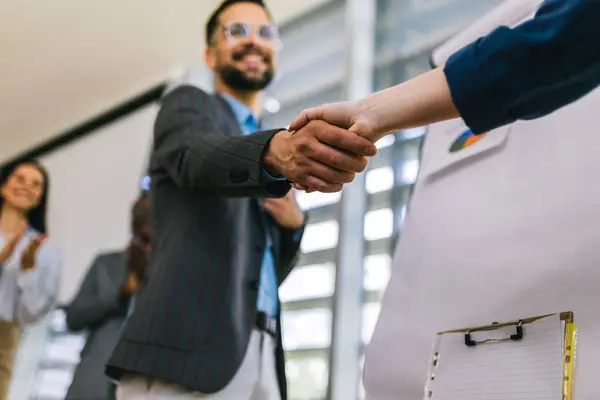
(532,357)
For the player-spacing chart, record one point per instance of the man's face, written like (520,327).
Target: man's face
(242,51)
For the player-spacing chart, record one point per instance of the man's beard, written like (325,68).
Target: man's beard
(238,80)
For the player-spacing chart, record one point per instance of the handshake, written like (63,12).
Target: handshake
(324,148)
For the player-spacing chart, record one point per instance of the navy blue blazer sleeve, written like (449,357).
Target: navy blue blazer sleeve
(528,71)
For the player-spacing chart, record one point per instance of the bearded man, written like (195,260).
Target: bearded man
(227,228)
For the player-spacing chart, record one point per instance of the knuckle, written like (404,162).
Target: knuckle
(312,123)
(316,127)
(335,159)
(331,176)
(309,128)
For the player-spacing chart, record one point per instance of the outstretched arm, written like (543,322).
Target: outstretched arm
(197,153)
(521,73)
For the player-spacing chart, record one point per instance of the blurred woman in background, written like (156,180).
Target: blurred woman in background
(29,266)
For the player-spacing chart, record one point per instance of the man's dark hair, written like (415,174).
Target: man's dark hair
(213,21)
(140,213)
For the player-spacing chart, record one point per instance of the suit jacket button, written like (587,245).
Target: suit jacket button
(239,176)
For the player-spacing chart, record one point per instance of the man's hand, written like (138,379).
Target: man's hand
(285,211)
(30,252)
(138,254)
(130,287)
(319,156)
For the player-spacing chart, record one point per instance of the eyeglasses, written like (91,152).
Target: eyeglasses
(241,30)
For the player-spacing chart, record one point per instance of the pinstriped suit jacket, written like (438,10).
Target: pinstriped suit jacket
(197,309)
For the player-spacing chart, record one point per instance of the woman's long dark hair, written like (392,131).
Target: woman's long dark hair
(36,217)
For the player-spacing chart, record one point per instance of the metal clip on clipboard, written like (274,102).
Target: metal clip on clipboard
(517,336)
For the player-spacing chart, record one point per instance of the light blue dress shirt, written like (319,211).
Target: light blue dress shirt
(268,288)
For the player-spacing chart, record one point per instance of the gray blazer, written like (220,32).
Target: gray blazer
(97,309)
(197,308)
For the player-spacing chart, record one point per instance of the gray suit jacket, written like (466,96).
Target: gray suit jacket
(196,310)
(97,309)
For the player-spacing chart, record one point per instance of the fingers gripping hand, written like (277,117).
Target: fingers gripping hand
(340,142)
(320,156)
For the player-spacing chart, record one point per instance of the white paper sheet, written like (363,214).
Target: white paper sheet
(529,369)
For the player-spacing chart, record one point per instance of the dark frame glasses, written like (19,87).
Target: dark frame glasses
(241,30)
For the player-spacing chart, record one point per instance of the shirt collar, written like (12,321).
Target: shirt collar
(241,111)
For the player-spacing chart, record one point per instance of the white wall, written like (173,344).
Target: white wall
(93,184)
(196,75)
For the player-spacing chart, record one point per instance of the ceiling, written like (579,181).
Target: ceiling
(66,61)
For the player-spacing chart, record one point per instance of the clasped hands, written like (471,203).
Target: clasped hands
(324,148)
